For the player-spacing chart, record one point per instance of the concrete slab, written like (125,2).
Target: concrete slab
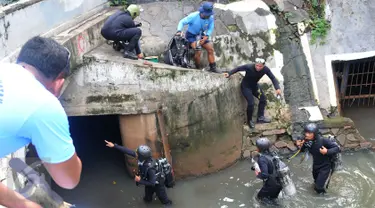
(314,113)
(202,110)
(105,53)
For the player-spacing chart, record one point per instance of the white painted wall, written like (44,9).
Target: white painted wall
(17,27)
(351,36)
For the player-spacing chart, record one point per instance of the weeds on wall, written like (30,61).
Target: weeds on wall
(318,24)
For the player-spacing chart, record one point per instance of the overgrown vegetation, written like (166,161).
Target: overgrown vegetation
(318,24)
(118,2)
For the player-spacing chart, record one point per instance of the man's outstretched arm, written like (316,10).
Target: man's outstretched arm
(48,128)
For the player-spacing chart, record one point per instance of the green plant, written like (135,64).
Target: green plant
(318,24)
(118,2)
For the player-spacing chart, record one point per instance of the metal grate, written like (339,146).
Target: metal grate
(355,81)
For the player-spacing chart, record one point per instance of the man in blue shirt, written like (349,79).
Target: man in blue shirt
(31,113)
(200,28)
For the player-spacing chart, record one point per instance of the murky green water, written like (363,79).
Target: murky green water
(105,184)
(234,187)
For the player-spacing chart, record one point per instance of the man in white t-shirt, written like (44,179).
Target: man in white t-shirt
(30,112)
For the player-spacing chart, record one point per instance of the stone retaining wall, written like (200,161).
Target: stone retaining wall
(347,136)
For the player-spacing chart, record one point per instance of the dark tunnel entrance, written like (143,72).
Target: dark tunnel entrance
(105,181)
(355,90)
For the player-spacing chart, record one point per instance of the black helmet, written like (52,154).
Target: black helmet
(144,153)
(311,128)
(263,144)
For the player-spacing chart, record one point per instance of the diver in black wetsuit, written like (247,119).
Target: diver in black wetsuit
(271,185)
(148,173)
(322,150)
(250,88)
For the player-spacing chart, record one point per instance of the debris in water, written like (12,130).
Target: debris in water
(238,179)
(231,177)
(224,206)
(114,182)
(121,190)
(226,199)
(247,184)
(242,205)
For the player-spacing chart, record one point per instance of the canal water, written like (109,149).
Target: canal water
(105,183)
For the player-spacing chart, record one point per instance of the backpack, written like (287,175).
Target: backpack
(275,161)
(336,159)
(177,53)
(164,172)
(282,174)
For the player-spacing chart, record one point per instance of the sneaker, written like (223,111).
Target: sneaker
(263,119)
(251,124)
(130,55)
(168,204)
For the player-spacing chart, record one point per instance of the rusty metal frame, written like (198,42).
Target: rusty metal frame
(357,82)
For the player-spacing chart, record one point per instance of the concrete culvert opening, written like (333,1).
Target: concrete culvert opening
(355,90)
(105,181)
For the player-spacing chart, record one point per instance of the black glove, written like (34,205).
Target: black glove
(139,24)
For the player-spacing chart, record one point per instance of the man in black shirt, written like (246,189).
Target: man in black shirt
(322,150)
(250,88)
(148,174)
(121,27)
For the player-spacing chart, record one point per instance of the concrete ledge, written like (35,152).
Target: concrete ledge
(10,8)
(66,32)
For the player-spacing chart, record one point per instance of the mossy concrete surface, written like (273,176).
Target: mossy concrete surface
(203,111)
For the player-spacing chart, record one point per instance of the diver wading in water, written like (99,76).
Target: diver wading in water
(323,151)
(151,173)
(274,173)
(250,88)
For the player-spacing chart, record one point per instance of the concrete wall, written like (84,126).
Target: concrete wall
(350,33)
(23,20)
(203,111)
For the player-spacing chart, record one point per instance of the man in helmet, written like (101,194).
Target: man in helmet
(322,149)
(148,175)
(121,27)
(200,27)
(250,88)
(271,185)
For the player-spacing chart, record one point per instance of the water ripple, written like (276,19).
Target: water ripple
(351,187)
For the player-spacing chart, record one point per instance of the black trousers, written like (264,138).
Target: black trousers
(132,35)
(249,93)
(160,191)
(321,178)
(270,189)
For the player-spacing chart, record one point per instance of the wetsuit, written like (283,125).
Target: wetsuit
(250,87)
(121,27)
(322,164)
(149,178)
(271,186)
